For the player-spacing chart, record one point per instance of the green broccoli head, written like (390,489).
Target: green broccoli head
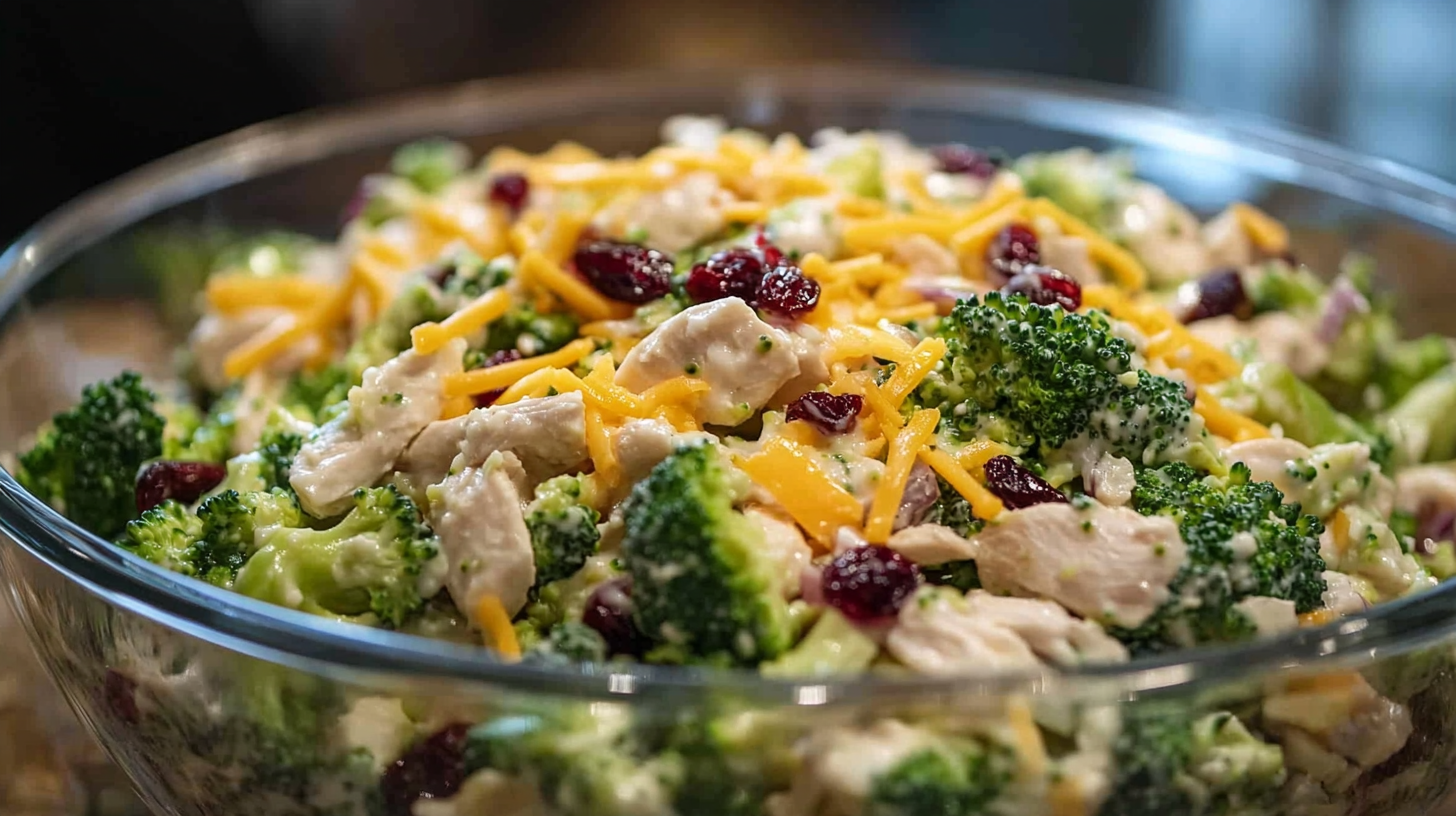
(1037,377)
(563,529)
(264,256)
(430,164)
(85,462)
(1086,184)
(530,332)
(317,396)
(165,535)
(191,436)
(959,776)
(381,559)
(569,643)
(418,301)
(701,585)
(471,276)
(1169,762)
(729,760)
(1243,541)
(231,522)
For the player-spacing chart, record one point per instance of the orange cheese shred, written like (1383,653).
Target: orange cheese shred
(903,450)
(1125,267)
(428,338)
(288,329)
(538,384)
(539,270)
(480,380)
(1230,425)
(923,360)
(849,342)
(230,294)
(1270,236)
(983,502)
(491,615)
(974,456)
(819,504)
(600,447)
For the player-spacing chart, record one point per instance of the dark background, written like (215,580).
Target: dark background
(92,89)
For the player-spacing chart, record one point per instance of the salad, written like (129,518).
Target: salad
(852,407)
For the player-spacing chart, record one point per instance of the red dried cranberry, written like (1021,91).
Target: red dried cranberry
(1014,247)
(625,272)
(1220,292)
(1045,286)
(120,693)
(959,158)
(183,481)
(510,191)
(433,768)
(869,583)
(485,399)
(1018,487)
(785,291)
(609,611)
(828,413)
(731,273)
(772,255)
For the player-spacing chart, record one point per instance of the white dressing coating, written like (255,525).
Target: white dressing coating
(1104,563)
(744,360)
(1279,337)
(674,218)
(839,764)
(393,404)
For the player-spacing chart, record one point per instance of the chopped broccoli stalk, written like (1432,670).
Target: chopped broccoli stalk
(84,463)
(166,536)
(1278,287)
(1242,541)
(1407,363)
(1036,377)
(529,332)
(563,529)
(1169,763)
(1439,559)
(833,646)
(588,760)
(1420,424)
(858,172)
(264,256)
(430,164)
(702,586)
(730,761)
(961,776)
(1281,397)
(380,559)
(1085,184)
(231,522)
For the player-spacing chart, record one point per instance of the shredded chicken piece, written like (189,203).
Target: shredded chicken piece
(477,515)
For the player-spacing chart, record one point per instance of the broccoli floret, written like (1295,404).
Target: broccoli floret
(1036,377)
(1085,184)
(832,646)
(563,529)
(231,522)
(588,760)
(418,301)
(276,450)
(960,776)
(381,559)
(165,535)
(530,332)
(961,575)
(430,164)
(565,600)
(264,256)
(953,511)
(317,396)
(571,642)
(730,761)
(471,276)
(701,582)
(191,436)
(1167,762)
(1242,541)
(85,462)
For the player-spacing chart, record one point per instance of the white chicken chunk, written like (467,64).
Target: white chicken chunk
(675,218)
(805,225)
(1163,234)
(1321,478)
(1109,564)
(744,360)
(1345,594)
(924,257)
(931,544)
(1345,714)
(1227,241)
(395,402)
(547,435)
(1270,616)
(1279,337)
(477,515)
(939,632)
(839,765)
(1426,489)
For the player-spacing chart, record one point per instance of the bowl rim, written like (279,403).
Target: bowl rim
(350,651)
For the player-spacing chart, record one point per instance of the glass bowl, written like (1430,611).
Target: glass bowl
(217,704)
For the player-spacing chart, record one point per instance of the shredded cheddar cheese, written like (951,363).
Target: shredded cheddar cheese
(923,360)
(903,450)
(428,338)
(1230,425)
(491,615)
(601,447)
(983,502)
(790,474)
(480,380)
(538,270)
(231,294)
(1270,236)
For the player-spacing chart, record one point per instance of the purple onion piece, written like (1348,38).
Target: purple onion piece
(1344,300)
(922,491)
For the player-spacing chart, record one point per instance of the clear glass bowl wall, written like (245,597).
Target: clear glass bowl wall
(167,672)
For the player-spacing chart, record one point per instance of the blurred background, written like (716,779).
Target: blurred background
(100,87)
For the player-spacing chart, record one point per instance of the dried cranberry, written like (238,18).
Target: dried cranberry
(510,190)
(785,291)
(1220,292)
(120,693)
(609,611)
(625,272)
(1045,286)
(772,255)
(959,158)
(731,273)
(433,768)
(1018,487)
(828,413)
(869,583)
(485,399)
(183,481)
(1014,247)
